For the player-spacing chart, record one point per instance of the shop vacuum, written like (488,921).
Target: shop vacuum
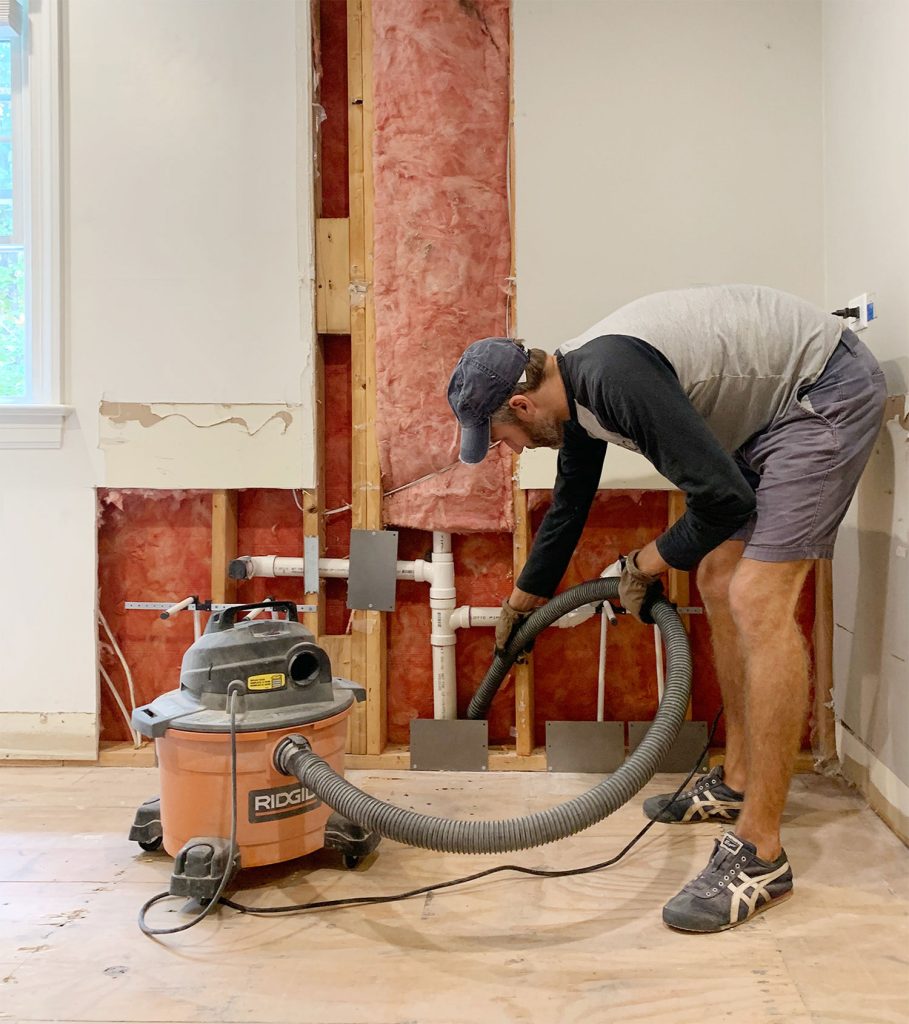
(251,747)
(280,684)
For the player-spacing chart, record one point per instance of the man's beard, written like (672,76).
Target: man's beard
(547,433)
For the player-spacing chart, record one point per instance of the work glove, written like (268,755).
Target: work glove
(613,571)
(510,619)
(638,590)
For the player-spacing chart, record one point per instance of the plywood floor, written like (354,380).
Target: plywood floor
(589,948)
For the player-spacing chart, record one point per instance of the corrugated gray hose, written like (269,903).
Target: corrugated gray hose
(294,757)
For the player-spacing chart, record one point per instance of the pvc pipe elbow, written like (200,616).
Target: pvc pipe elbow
(576,617)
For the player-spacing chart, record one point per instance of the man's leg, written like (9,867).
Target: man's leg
(748,870)
(714,578)
(763,597)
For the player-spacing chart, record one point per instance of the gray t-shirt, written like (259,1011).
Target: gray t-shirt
(741,352)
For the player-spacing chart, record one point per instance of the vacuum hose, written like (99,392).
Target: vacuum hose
(294,756)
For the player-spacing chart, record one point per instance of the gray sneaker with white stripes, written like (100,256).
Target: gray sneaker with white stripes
(710,799)
(734,886)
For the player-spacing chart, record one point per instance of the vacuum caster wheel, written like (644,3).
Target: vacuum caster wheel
(147,830)
(353,842)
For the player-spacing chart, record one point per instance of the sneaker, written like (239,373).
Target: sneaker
(708,800)
(734,886)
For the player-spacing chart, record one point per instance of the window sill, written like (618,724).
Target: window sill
(32,426)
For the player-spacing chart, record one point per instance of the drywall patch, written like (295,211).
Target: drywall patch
(183,445)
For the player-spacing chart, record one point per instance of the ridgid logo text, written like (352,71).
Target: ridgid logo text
(282,802)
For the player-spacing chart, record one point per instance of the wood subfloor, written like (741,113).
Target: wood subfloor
(588,948)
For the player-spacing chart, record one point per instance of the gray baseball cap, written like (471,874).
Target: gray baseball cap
(486,375)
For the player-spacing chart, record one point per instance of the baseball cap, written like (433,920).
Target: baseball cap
(486,375)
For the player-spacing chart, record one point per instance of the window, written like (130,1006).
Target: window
(30,413)
(14,365)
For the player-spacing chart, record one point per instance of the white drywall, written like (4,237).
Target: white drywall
(188,267)
(866,185)
(661,144)
(190,220)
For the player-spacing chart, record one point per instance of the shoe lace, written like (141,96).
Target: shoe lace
(722,860)
(711,778)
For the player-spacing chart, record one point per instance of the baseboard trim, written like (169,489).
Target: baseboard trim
(48,736)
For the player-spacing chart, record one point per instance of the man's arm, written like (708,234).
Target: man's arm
(640,397)
(579,467)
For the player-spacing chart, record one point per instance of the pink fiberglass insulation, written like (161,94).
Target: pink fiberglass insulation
(442,251)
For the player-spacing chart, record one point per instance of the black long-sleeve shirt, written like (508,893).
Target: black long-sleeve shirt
(622,389)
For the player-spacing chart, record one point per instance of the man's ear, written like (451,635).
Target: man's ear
(522,405)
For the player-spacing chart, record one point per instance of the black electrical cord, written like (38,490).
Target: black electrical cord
(228,867)
(355,901)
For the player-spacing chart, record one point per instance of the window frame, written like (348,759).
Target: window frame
(36,420)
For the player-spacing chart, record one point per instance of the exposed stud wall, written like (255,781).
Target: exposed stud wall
(269,522)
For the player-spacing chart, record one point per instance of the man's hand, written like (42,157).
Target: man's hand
(638,590)
(510,619)
(514,611)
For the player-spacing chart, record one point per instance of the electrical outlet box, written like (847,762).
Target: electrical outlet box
(865,305)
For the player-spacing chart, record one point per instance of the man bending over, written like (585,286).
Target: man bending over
(763,410)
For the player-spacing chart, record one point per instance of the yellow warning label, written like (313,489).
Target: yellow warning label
(271,681)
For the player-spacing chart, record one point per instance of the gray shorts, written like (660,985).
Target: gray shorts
(806,465)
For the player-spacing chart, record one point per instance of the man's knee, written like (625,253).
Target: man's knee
(715,574)
(763,596)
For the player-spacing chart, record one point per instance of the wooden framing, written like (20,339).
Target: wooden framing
(679,588)
(223,545)
(368,643)
(313,519)
(523,683)
(313,501)
(333,275)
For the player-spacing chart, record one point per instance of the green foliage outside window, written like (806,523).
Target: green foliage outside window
(13,368)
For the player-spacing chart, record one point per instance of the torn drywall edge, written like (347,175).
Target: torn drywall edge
(202,446)
(251,417)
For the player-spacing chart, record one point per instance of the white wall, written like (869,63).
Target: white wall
(661,143)
(188,312)
(866,183)
(187,209)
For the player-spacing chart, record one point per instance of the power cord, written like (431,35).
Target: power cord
(228,867)
(354,901)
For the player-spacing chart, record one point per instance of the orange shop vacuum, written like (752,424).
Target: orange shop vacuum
(244,687)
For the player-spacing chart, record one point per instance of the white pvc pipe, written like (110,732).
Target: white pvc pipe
(575,617)
(658,645)
(178,607)
(442,636)
(272,566)
(466,617)
(601,671)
